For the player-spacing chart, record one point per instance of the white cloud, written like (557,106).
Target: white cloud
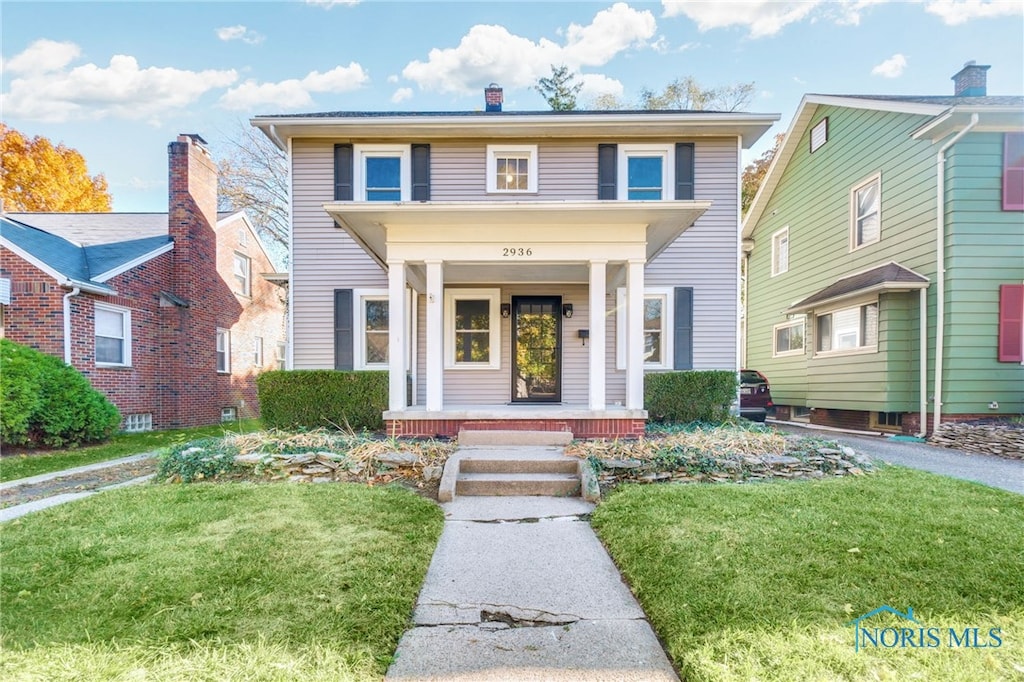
(489,53)
(953,12)
(295,93)
(51,89)
(892,67)
(596,84)
(393,78)
(242,33)
(763,17)
(401,94)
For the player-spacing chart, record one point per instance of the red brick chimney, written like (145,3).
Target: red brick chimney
(970,81)
(493,97)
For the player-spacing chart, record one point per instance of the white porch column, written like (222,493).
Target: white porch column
(397,336)
(435,335)
(635,335)
(598,318)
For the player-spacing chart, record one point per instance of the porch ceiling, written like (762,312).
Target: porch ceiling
(571,221)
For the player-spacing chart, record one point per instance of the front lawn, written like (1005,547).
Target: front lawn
(32,463)
(214,581)
(761,581)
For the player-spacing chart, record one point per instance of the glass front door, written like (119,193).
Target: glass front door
(537,349)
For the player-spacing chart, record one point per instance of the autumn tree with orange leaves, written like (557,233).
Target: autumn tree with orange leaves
(36,176)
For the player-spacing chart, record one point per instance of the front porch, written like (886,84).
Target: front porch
(581,422)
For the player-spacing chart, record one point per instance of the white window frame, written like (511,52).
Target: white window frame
(126,333)
(493,296)
(857,350)
(854,217)
(668,168)
(819,135)
(359,298)
(781,236)
(667,296)
(224,334)
(514,151)
(363,151)
(257,351)
(243,284)
(776,353)
(243,237)
(228,414)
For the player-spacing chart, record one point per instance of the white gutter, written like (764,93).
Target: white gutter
(67,323)
(923,407)
(940,263)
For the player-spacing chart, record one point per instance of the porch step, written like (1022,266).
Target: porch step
(554,485)
(562,465)
(511,437)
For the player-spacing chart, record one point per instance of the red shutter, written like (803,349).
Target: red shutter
(1011,322)
(1013,172)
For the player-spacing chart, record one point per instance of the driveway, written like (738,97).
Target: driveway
(997,472)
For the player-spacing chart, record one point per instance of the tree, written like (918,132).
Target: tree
(559,90)
(753,174)
(687,93)
(36,176)
(254,178)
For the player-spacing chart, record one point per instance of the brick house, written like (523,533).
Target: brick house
(170,315)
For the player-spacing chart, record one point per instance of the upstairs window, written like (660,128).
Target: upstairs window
(1013,172)
(848,329)
(780,252)
(512,169)
(242,271)
(382,173)
(866,213)
(113,328)
(646,172)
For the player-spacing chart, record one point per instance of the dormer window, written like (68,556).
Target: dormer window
(512,168)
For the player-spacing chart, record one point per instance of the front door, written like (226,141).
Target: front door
(536,349)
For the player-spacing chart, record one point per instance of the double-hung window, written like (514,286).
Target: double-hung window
(257,351)
(472,328)
(847,329)
(646,172)
(788,338)
(658,328)
(243,274)
(866,213)
(372,325)
(382,173)
(223,351)
(780,251)
(113,329)
(512,168)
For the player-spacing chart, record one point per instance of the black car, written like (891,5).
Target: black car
(755,395)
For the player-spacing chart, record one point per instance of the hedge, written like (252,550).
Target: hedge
(49,403)
(689,396)
(317,398)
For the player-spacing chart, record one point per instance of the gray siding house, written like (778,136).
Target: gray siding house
(515,270)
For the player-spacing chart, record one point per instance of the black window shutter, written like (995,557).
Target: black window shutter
(683,332)
(421,172)
(343,172)
(607,172)
(343,328)
(684,170)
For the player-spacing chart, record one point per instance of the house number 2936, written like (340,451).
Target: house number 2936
(516,251)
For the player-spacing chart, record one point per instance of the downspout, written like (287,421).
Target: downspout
(67,323)
(924,363)
(940,263)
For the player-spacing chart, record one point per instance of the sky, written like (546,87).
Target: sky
(119,80)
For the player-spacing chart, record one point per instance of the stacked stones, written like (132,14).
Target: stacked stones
(327,467)
(1004,440)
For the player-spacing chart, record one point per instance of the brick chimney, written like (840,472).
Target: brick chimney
(191,211)
(493,97)
(970,81)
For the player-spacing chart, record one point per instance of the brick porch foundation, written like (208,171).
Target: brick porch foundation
(579,427)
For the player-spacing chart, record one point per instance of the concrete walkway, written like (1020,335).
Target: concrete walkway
(520,588)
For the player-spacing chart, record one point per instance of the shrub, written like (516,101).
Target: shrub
(689,396)
(197,460)
(321,398)
(49,403)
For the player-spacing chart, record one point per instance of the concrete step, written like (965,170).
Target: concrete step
(498,484)
(497,465)
(501,437)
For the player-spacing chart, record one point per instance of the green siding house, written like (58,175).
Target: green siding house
(885,261)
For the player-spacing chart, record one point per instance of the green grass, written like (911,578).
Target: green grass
(121,445)
(760,581)
(214,582)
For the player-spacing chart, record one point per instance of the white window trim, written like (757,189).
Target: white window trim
(493,296)
(257,351)
(227,349)
(668,168)
(667,294)
(360,297)
(775,241)
(514,151)
(247,288)
(126,331)
(794,351)
(877,177)
(361,151)
(819,135)
(860,350)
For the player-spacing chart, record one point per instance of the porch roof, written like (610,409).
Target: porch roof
(368,222)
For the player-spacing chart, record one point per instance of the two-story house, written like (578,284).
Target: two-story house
(515,270)
(885,249)
(170,315)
